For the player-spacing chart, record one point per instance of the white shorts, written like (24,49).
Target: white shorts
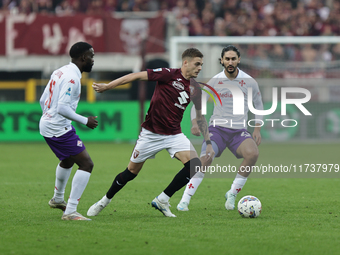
(149,144)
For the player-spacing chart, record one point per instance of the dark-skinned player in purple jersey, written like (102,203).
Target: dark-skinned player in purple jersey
(161,128)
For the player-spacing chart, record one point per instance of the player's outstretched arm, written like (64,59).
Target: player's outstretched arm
(257,101)
(203,126)
(101,87)
(195,130)
(257,134)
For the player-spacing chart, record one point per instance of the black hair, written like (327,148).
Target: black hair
(192,53)
(230,48)
(78,49)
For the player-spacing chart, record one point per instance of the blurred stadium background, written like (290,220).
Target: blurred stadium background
(292,43)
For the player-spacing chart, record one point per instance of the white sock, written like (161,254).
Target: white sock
(105,201)
(61,178)
(79,182)
(192,186)
(163,197)
(238,184)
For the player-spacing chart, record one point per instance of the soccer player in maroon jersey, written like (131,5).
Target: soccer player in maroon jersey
(161,128)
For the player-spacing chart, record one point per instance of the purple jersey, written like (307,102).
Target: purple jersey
(169,101)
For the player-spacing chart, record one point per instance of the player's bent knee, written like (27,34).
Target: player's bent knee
(252,155)
(193,166)
(135,167)
(86,165)
(66,164)
(134,171)
(125,177)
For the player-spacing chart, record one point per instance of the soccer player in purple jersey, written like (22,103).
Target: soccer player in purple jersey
(161,128)
(231,134)
(59,102)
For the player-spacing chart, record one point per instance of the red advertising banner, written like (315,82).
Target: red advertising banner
(36,34)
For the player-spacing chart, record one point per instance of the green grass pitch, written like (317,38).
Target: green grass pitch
(299,216)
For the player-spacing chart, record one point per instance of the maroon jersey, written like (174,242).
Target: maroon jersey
(169,101)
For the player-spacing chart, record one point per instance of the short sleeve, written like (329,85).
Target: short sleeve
(159,74)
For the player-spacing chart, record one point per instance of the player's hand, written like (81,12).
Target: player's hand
(195,130)
(206,160)
(100,87)
(257,136)
(209,155)
(92,122)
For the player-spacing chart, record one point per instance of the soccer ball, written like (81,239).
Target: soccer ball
(249,207)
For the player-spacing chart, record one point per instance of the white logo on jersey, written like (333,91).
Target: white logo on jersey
(178,85)
(179,79)
(183,98)
(79,143)
(167,69)
(245,134)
